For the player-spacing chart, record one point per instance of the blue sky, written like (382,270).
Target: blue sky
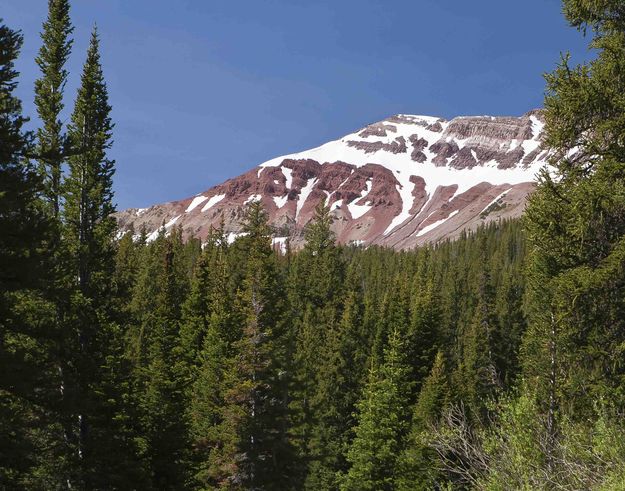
(203,90)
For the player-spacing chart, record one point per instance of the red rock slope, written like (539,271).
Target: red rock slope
(401,182)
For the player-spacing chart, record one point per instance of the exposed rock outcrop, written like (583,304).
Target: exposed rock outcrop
(401,182)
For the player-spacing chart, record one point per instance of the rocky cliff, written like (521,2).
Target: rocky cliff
(400,182)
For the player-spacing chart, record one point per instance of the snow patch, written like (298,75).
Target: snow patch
(280,201)
(252,198)
(279,243)
(303,195)
(405,191)
(212,202)
(432,226)
(197,201)
(165,227)
(288,175)
(495,200)
(232,236)
(171,222)
(359,210)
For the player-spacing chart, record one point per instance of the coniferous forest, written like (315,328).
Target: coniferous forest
(495,361)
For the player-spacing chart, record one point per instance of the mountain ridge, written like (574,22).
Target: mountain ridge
(399,182)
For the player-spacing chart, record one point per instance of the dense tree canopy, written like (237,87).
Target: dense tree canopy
(494,361)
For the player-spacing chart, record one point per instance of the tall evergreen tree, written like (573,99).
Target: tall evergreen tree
(53,55)
(382,423)
(25,382)
(315,293)
(424,333)
(576,225)
(209,327)
(477,377)
(161,392)
(342,363)
(88,191)
(152,350)
(93,407)
(417,464)
(251,449)
(20,216)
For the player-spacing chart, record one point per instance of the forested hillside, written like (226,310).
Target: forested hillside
(491,362)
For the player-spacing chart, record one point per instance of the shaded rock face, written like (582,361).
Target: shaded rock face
(400,182)
(396,146)
(418,145)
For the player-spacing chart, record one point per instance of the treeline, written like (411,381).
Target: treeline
(491,362)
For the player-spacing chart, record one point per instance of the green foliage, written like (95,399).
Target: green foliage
(179,365)
(382,423)
(51,141)
(417,467)
(27,378)
(21,217)
(572,351)
(247,430)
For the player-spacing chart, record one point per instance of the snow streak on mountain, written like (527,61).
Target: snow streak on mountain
(400,182)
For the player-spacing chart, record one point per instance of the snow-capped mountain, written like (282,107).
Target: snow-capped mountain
(400,182)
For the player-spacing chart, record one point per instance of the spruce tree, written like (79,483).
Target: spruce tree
(209,327)
(26,380)
(88,209)
(576,225)
(424,333)
(382,423)
(337,390)
(251,449)
(152,350)
(51,141)
(477,376)
(417,465)
(161,402)
(316,286)
(20,214)
(320,263)
(93,406)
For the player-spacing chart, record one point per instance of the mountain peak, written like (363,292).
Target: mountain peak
(400,182)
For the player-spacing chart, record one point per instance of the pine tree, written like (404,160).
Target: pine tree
(320,263)
(208,329)
(25,380)
(161,396)
(53,55)
(424,333)
(382,424)
(337,390)
(251,448)
(158,374)
(477,377)
(93,406)
(196,314)
(316,281)
(576,225)
(88,210)
(205,397)
(21,219)
(127,257)
(417,465)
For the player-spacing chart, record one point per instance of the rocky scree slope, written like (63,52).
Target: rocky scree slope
(401,182)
